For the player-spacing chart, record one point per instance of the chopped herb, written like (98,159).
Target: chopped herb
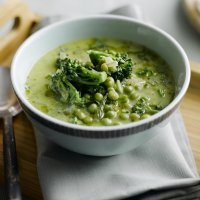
(161,92)
(144,72)
(142,106)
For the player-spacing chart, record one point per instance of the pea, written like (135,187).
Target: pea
(104,67)
(111,114)
(124,98)
(93,108)
(111,89)
(124,116)
(127,106)
(133,96)
(136,87)
(107,107)
(119,87)
(113,95)
(134,116)
(80,114)
(88,120)
(144,116)
(109,82)
(106,121)
(110,79)
(98,96)
(128,89)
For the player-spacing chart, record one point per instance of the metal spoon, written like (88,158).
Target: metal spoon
(9,107)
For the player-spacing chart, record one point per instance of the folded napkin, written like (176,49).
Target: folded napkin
(162,168)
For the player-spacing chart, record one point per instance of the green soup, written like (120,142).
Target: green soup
(114,82)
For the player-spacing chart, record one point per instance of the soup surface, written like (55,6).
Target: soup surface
(100,81)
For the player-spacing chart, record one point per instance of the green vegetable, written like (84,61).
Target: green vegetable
(88,120)
(119,64)
(66,92)
(71,75)
(124,116)
(111,114)
(98,97)
(112,95)
(99,57)
(128,89)
(144,72)
(127,105)
(106,121)
(145,116)
(134,116)
(91,89)
(104,67)
(93,108)
(133,96)
(78,72)
(119,87)
(161,92)
(107,107)
(81,115)
(142,106)
(123,98)
(109,82)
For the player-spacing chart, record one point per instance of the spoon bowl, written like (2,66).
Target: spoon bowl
(8,101)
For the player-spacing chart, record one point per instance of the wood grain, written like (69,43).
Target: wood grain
(23,19)
(26,152)
(190,109)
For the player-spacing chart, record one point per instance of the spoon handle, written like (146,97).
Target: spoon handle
(13,190)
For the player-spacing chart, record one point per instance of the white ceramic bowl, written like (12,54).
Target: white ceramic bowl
(104,140)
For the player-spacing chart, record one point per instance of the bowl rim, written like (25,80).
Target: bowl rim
(26,104)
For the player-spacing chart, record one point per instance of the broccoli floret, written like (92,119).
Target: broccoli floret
(66,92)
(78,72)
(119,64)
(98,57)
(91,89)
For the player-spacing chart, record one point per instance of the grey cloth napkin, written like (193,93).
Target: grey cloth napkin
(162,168)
